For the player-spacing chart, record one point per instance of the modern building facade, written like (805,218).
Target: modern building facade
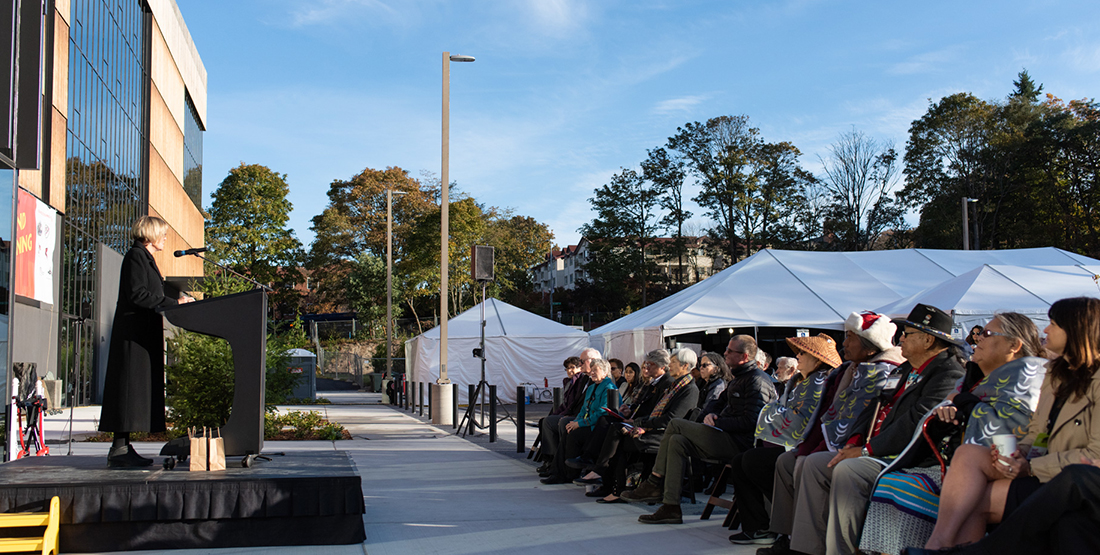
(105,114)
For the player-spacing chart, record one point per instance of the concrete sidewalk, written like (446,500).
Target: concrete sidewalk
(430,491)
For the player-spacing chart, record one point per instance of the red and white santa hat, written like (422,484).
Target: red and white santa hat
(876,328)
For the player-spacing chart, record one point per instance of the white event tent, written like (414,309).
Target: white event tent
(806,289)
(520,347)
(974,297)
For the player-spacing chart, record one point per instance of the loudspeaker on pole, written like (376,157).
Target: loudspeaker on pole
(481,263)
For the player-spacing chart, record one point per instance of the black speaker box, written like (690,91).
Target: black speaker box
(481,263)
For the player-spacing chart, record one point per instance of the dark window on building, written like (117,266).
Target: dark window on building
(192,153)
(105,169)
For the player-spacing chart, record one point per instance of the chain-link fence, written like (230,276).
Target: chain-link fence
(352,369)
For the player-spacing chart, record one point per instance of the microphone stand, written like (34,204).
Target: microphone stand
(238,274)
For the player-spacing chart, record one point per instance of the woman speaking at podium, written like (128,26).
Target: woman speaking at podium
(133,393)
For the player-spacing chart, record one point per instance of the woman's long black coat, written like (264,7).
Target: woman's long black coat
(133,392)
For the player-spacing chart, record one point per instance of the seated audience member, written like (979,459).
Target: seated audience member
(716,374)
(764,361)
(632,383)
(782,424)
(997,395)
(975,333)
(984,486)
(552,426)
(645,431)
(653,383)
(1061,517)
(721,435)
(596,454)
(617,372)
(831,499)
(851,389)
(577,431)
(785,367)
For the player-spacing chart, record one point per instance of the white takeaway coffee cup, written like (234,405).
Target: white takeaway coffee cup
(1006,444)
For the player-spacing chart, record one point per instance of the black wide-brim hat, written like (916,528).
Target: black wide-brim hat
(932,321)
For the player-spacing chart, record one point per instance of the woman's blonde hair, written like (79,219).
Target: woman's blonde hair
(148,229)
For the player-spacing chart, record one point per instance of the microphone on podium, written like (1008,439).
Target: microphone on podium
(197,250)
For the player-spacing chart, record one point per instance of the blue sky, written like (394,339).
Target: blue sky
(564,93)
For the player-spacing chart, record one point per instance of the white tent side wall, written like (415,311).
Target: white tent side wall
(629,345)
(510,362)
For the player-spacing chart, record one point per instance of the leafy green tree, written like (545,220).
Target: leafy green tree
(624,228)
(247,231)
(967,147)
(668,175)
(771,218)
(1067,203)
(946,159)
(519,243)
(355,222)
(1026,89)
(719,155)
(366,288)
(467,227)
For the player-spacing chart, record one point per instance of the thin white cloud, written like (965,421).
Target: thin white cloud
(1084,58)
(684,104)
(558,18)
(926,62)
(323,12)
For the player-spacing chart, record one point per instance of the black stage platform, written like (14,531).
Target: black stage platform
(302,498)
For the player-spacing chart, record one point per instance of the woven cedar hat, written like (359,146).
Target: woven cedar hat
(821,346)
(932,321)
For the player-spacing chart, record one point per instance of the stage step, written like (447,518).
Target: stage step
(47,544)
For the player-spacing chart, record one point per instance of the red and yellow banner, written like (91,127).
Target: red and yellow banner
(34,246)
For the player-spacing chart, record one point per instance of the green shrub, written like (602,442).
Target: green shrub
(200,385)
(304,424)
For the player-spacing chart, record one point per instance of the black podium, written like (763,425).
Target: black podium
(240,319)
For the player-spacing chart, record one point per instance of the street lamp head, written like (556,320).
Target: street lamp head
(461,58)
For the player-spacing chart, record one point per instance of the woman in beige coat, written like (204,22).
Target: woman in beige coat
(1063,429)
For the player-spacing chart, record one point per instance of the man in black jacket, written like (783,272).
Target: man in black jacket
(721,436)
(831,501)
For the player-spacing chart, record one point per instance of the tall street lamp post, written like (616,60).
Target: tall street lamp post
(966,221)
(441,396)
(389,280)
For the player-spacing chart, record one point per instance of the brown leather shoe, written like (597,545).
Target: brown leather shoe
(666,514)
(646,492)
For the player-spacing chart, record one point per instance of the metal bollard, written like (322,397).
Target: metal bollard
(429,401)
(557,399)
(420,397)
(521,419)
(454,407)
(492,413)
(405,394)
(471,389)
(613,399)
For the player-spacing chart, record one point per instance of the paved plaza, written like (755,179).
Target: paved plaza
(430,491)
